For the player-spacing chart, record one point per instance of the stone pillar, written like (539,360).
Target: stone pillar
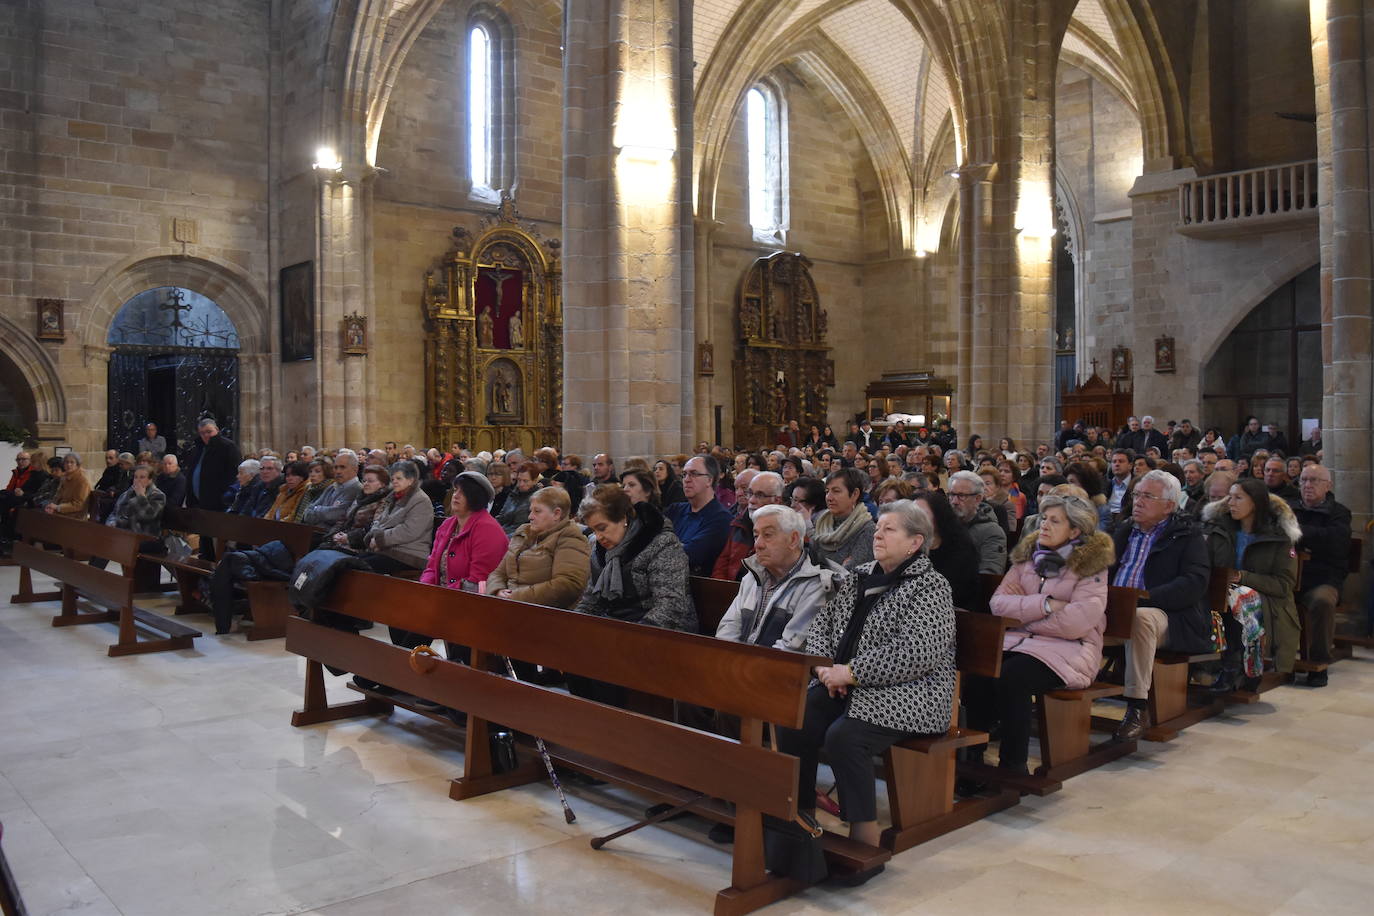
(1341,31)
(720,338)
(344,278)
(627,283)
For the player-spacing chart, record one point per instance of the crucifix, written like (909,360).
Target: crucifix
(499,277)
(175,305)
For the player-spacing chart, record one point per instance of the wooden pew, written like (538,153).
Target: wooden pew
(11,904)
(1345,645)
(1066,719)
(1173,707)
(920,771)
(267,599)
(113,591)
(662,759)
(712,598)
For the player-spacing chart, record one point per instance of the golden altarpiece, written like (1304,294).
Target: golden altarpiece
(782,363)
(494,338)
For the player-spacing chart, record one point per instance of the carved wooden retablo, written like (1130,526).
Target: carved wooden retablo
(782,365)
(494,338)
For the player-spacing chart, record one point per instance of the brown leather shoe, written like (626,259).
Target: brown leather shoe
(1137,719)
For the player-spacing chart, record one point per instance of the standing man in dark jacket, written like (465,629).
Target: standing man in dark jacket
(1165,553)
(1152,438)
(213,466)
(1326,536)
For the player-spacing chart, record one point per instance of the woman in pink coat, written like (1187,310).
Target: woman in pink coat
(470,543)
(1055,596)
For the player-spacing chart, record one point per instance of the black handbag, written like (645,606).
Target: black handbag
(792,851)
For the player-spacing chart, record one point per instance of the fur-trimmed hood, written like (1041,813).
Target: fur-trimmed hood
(1096,553)
(1285,522)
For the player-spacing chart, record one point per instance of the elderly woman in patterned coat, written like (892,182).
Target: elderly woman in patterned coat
(890,633)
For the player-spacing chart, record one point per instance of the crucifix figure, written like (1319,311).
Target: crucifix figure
(499,277)
(174,304)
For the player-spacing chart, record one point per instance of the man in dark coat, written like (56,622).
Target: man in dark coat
(172,482)
(213,465)
(1326,537)
(1152,438)
(1163,552)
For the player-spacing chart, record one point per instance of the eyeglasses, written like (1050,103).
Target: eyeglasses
(953,495)
(1150,497)
(697,474)
(754,494)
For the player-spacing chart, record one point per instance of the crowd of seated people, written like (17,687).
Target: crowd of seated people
(857,549)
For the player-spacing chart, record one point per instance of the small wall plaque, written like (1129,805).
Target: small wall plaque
(355,334)
(1121,362)
(706,358)
(51,321)
(1164,354)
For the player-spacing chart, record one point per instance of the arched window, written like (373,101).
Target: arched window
(490,121)
(479,107)
(767,163)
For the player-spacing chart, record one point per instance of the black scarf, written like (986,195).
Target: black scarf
(870,587)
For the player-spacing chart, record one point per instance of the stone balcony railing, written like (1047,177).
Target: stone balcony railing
(1250,201)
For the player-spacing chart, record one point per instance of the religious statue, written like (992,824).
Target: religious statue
(517,332)
(503,389)
(778,393)
(498,280)
(486,330)
(749,319)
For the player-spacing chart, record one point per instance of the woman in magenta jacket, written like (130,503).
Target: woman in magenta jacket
(470,543)
(467,547)
(1055,596)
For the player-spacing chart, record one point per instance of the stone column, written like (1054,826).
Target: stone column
(628,334)
(1341,31)
(344,276)
(721,338)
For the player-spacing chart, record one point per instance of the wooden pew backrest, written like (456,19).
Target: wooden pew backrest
(712,598)
(746,681)
(978,643)
(241,529)
(83,537)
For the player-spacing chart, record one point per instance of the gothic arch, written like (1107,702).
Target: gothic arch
(1154,87)
(230,287)
(1214,325)
(39,370)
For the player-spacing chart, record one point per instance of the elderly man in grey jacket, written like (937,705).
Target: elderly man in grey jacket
(333,505)
(966,496)
(781,589)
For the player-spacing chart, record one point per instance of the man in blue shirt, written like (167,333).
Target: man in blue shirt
(1161,551)
(701,523)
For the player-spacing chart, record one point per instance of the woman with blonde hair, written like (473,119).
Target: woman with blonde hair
(1055,596)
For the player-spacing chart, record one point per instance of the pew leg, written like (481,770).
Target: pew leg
(1065,729)
(317,708)
(187,602)
(751,886)
(479,777)
(270,608)
(26,594)
(71,615)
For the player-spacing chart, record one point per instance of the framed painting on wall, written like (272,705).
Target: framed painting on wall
(298,312)
(1164,354)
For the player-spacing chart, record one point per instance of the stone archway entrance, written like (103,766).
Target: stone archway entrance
(174,361)
(1271,364)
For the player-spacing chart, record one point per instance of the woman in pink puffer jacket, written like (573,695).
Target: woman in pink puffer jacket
(1055,596)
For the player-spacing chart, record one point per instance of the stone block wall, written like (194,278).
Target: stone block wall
(424,192)
(837,222)
(115,119)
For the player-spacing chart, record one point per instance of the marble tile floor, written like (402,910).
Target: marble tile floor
(174,784)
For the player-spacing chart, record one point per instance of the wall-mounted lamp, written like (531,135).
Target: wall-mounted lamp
(327,159)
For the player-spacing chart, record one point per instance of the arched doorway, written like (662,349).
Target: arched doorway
(175,361)
(1270,366)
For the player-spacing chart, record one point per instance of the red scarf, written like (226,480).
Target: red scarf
(19,478)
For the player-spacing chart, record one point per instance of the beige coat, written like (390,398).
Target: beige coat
(550,569)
